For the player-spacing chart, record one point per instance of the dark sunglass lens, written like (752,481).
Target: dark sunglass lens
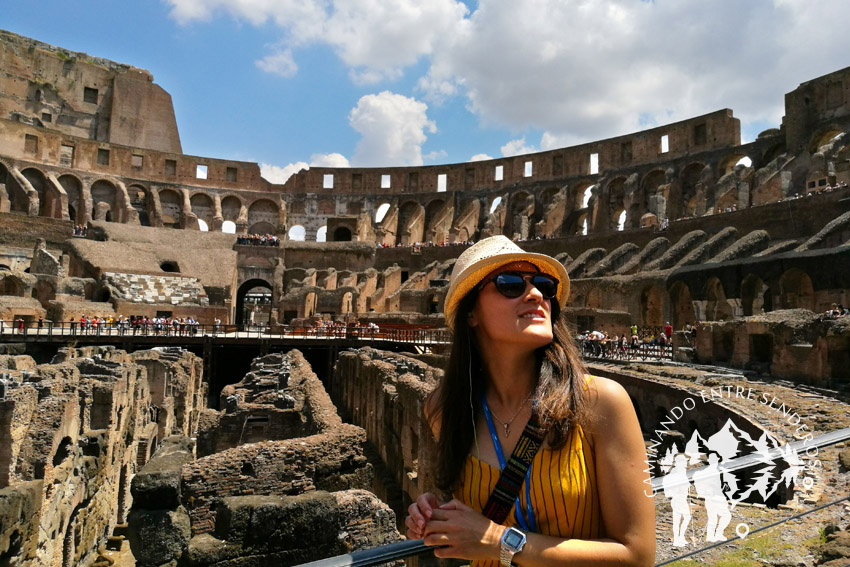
(510,285)
(548,286)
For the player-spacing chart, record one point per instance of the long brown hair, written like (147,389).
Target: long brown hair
(456,401)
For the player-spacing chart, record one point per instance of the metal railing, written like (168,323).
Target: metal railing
(613,350)
(75,329)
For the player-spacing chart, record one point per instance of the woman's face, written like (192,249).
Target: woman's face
(503,322)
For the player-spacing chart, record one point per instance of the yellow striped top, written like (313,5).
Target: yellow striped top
(564,492)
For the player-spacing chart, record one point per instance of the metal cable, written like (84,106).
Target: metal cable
(755,531)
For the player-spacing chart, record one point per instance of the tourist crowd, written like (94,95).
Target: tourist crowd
(80,229)
(837,310)
(657,341)
(258,240)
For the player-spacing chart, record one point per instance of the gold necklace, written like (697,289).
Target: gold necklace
(507,424)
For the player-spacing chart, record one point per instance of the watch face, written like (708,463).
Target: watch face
(513,539)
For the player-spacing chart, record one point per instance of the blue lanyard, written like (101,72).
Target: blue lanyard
(531,526)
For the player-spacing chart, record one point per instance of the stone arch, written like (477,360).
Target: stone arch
(409,230)
(547,196)
(266,212)
(322,234)
(203,207)
(823,136)
(755,296)
(728,163)
(771,154)
(74,190)
(347,303)
(12,285)
(717,308)
(682,304)
(296,232)
(230,208)
(311,301)
(796,290)
(140,201)
(44,292)
(172,208)
(615,202)
(49,201)
(582,225)
(648,188)
(241,317)
(342,234)
(104,201)
(18,200)
(651,307)
(432,209)
(692,198)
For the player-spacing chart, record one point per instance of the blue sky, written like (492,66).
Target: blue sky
(289,83)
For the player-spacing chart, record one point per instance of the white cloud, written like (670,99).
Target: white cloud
(278,174)
(435,155)
(392,129)
(480,157)
(280,63)
(578,70)
(329,160)
(377,39)
(517,148)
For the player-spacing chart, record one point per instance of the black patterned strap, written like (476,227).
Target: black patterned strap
(510,481)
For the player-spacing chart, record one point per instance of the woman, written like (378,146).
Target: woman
(582,501)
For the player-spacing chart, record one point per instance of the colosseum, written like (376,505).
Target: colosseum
(183,383)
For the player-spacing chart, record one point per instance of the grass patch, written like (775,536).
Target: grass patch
(753,551)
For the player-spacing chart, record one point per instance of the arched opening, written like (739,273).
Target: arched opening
(796,290)
(263,228)
(172,208)
(410,223)
(297,233)
(691,200)
(311,301)
(728,164)
(322,234)
(103,196)
(615,204)
(717,308)
(494,204)
(621,220)
(755,296)
(651,307)
(203,208)
(203,226)
(140,203)
(432,209)
(586,196)
(823,138)
(44,293)
(10,285)
(253,303)
(228,227)
(683,305)
(169,266)
(581,225)
(342,234)
(230,209)
(74,190)
(263,213)
(48,198)
(382,212)
(649,188)
(18,199)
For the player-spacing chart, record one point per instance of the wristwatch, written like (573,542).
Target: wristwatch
(513,540)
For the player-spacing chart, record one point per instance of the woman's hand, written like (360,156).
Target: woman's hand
(419,513)
(458,531)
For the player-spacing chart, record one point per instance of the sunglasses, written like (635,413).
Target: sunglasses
(514,284)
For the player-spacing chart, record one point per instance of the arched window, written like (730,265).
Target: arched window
(322,234)
(297,232)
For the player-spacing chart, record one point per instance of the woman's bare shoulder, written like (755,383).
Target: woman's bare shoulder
(607,398)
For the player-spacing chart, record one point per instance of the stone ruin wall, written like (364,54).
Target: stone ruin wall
(278,477)
(75,431)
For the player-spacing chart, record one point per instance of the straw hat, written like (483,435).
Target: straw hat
(485,256)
